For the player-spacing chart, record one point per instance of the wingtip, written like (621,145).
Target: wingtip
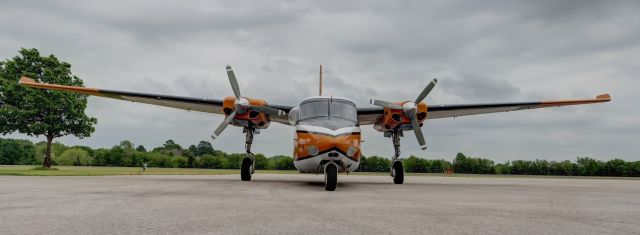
(24,80)
(605,96)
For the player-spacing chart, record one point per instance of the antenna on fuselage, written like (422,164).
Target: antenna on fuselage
(320,88)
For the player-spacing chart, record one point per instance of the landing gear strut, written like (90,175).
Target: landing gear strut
(397,171)
(249,162)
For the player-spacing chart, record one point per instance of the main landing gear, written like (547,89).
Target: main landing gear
(248,163)
(330,176)
(397,171)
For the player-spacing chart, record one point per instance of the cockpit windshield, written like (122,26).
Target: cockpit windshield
(342,113)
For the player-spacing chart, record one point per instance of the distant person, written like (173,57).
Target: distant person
(144,167)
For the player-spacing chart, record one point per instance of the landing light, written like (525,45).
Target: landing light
(313,150)
(352,151)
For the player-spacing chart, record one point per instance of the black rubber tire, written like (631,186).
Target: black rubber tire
(245,170)
(330,177)
(398,176)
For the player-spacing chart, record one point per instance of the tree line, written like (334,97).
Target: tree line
(203,155)
(169,155)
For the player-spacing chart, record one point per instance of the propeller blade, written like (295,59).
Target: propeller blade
(268,110)
(426,90)
(418,132)
(385,104)
(233,81)
(223,125)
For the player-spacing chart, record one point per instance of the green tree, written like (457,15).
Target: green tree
(283,163)
(170,148)
(261,162)
(16,152)
(86,148)
(503,168)
(204,147)
(126,144)
(440,166)
(141,148)
(375,164)
(615,167)
(193,150)
(460,164)
(37,112)
(74,157)
(634,168)
(589,166)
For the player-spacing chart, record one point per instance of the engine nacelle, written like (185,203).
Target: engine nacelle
(248,117)
(395,119)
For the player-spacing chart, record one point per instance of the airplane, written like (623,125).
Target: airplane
(327,128)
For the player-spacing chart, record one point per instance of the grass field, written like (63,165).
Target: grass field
(22,170)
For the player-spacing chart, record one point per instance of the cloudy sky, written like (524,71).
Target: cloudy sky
(481,51)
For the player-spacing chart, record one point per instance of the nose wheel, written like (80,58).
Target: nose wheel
(397,170)
(248,163)
(330,176)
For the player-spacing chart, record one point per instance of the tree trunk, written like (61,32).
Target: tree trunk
(47,156)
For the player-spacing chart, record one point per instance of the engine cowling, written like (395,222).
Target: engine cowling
(246,117)
(396,119)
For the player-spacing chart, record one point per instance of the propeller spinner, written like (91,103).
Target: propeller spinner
(410,110)
(241,105)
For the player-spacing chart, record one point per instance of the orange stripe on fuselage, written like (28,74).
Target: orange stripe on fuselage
(325,142)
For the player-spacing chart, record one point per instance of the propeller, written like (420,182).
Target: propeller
(410,110)
(241,105)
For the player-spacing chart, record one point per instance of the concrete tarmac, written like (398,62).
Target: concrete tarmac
(296,204)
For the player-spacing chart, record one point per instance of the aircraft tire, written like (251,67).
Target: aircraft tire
(245,171)
(330,177)
(398,173)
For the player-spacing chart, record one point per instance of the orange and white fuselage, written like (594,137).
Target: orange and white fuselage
(326,130)
(315,145)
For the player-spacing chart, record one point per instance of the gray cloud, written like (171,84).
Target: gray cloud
(481,51)
(475,86)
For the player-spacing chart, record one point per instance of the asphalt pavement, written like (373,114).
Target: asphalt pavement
(295,204)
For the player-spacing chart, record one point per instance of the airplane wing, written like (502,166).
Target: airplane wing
(186,103)
(371,115)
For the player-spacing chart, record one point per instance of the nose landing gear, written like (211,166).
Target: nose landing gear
(330,176)
(248,163)
(397,170)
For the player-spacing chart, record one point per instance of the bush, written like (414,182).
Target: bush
(464,164)
(261,162)
(375,164)
(74,157)
(282,162)
(419,165)
(503,168)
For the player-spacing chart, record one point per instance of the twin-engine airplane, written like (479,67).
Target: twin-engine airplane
(327,128)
